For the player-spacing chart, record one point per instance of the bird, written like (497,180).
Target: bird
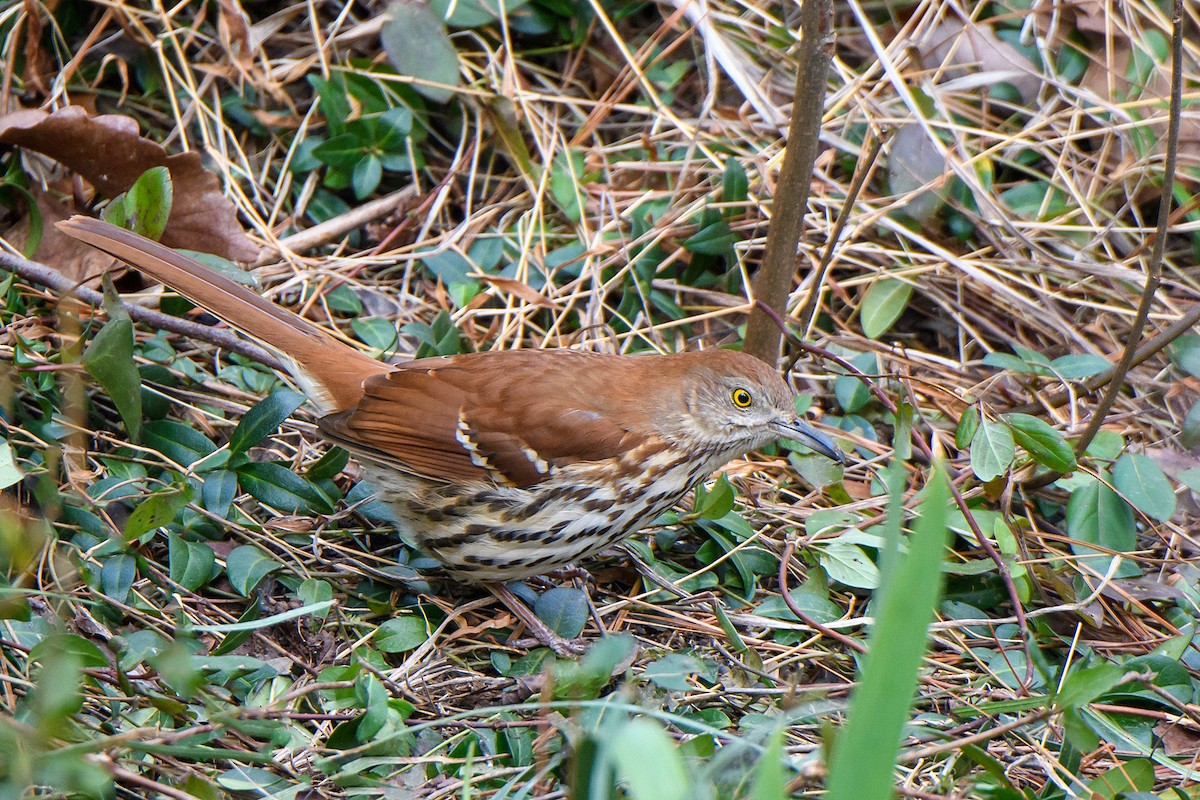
(507,464)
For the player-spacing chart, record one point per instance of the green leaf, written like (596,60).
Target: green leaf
(148,203)
(392,128)
(1098,515)
(883,303)
(648,761)
(278,487)
(566,176)
(714,239)
(251,622)
(992,450)
(36,222)
(584,679)
(254,780)
(371,696)
(10,473)
(366,176)
(1010,362)
(263,419)
(117,576)
(192,563)
(968,423)
(1143,484)
(57,691)
(716,502)
(742,558)
(1185,352)
(155,511)
(848,564)
(401,634)
(182,444)
(109,359)
(770,781)
(1123,780)
(850,392)
(1106,446)
(1078,367)
(1045,444)
(564,609)
(333,99)
(1189,434)
(344,151)
(418,46)
(114,212)
(58,645)
(735,186)
(1085,685)
(329,465)
(246,566)
(314,592)
(473,13)
(343,299)
(218,491)
(237,632)
(1035,200)
(376,332)
(672,671)
(818,608)
(455,271)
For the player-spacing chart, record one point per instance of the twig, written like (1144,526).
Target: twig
(774,280)
(48,276)
(1154,265)
(326,231)
(788,551)
(914,756)
(1169,334)
(862,170)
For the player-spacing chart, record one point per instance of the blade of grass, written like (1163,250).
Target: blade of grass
(865,754)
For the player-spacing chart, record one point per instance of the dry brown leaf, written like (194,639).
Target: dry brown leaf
(38,63)
(1108,80)
(961,48)
(1107,76)
(1092,16)
(81,263)
(1143,589)
(1178,740)
(521,290)
(915,160)
(110,154)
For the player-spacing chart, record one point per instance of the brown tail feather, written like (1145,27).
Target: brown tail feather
(330,372)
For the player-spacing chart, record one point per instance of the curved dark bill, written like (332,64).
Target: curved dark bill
(808,436)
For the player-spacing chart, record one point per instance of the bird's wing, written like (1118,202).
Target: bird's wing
(473,419)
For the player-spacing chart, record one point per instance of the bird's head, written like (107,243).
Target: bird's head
(738,399)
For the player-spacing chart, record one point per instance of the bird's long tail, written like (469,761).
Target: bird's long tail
(330,372)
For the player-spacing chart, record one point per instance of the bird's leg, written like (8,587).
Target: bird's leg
(569,573)
(552,578)
(540,630)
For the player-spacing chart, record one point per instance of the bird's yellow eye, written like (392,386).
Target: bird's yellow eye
(741,398)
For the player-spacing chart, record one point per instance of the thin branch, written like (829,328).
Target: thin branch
(862,171)
(44,275)
(774,280)
(1154,265)
(1169,334)
(789,551)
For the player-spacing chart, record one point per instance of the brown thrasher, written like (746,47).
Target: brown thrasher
(512,463)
